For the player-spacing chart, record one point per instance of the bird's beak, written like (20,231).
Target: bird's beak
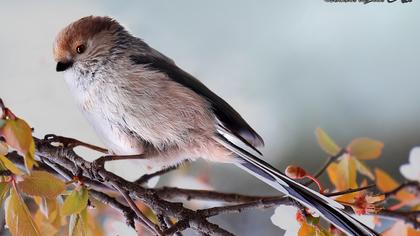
(62,66)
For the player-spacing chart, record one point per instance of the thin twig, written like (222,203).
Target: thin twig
(330,160)
(350,191)
(408,184)
(145,178)
(148,223)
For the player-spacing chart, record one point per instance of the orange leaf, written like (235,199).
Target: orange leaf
(326,143)
(386,183)
(306,230)
(343,176)
(412,232)
(365,148)
(336,176)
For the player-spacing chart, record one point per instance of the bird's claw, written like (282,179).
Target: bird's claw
(95,167)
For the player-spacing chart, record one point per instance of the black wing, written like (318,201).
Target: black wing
(229,118)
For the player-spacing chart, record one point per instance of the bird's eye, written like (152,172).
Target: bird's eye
(80,49)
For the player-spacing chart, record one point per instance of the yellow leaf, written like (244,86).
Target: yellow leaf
(18,135)
(343,176)
(326,143)
(30,157)
(75,202)
(50,209)
(386,183)
(306,230)
(78,225)
(4,187)
(46,228)
(10,165)
(321,232)
(4,149)
(365,148)
(347,165)
(363,169)
(41,183)
(336,176)
(18,218)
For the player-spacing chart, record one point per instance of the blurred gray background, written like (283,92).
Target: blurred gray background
(287,66)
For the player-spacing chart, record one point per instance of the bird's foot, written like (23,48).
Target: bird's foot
(96,167)
(71,142)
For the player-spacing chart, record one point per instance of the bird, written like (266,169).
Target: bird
(142,105)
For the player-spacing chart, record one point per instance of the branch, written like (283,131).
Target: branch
(68,159)
(63,161)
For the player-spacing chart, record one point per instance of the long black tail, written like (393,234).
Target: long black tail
(326,207)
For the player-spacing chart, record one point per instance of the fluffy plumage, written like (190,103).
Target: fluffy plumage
(139,101)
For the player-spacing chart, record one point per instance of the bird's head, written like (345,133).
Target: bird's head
(85,41)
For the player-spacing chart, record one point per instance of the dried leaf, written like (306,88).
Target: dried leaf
(75,202)
(18,218)
(326,143)
(10,165)
(365,148)
(18,135)
(386,183)
(41,183)
(364,170)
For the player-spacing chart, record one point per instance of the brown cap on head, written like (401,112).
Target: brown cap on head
(78,32)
